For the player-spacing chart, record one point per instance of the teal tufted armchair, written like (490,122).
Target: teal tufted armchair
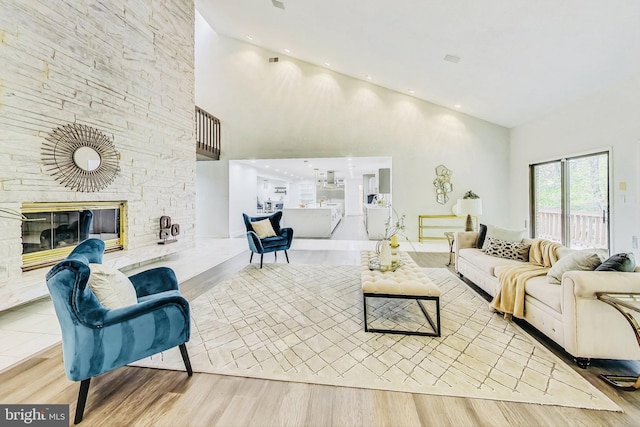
(96,339)
(280,242)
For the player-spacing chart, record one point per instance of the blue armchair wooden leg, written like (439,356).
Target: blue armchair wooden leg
(251,259)
(82,400)
(261,256)
(185,359)
(286,256)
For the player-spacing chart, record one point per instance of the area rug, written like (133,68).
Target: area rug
(303,323)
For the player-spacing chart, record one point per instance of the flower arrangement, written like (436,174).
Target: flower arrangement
(387,247)
(392,228)
(470,195)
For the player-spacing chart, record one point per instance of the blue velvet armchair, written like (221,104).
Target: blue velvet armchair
(96,339)
(280,242)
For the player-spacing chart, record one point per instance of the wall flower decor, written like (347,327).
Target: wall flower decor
(442,184)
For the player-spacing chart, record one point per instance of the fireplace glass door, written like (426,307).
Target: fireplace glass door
(50,232)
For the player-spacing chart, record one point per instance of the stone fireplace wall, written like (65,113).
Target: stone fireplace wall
(125,67)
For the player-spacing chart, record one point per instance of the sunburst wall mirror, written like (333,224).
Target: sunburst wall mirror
(80,157)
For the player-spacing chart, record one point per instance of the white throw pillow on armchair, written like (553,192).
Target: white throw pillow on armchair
(263,229)
(111,286)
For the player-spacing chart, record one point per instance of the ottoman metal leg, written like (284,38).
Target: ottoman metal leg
(434,325)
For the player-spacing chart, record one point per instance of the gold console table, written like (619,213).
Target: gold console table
(434,227)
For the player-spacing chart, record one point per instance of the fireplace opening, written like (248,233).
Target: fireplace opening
(52,230)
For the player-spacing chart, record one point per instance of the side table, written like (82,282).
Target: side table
(626,303)
(450,238)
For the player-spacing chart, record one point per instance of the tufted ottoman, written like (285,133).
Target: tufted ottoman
(407,282)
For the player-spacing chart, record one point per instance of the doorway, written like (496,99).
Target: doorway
(302,184)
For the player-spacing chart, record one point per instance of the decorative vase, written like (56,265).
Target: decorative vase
(385,255)
(395,254)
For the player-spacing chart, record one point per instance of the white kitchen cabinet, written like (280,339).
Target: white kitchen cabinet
(318,222)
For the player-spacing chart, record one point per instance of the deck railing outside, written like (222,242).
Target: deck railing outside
(588,230)
(207,134)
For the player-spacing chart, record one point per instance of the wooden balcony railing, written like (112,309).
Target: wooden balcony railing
(207,135)
(588,230)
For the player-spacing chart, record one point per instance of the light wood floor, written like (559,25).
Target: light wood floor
(146,397)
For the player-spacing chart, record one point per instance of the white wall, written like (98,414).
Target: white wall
(243,178)
(352,196)
(212,199)
(609,118)
(293,109)
(122,66)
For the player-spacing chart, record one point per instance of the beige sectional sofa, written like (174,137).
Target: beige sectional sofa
(569,313)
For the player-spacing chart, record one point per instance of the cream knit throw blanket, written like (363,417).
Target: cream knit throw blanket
(510,297)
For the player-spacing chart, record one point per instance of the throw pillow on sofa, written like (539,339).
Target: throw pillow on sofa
(625,262)
(510,250)
(482,235)
(575,261)
(500,233)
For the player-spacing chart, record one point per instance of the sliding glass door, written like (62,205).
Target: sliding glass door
(570,201)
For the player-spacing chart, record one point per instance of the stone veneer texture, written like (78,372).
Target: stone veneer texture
(125,67)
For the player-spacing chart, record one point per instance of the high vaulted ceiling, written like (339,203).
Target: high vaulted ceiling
(518,59)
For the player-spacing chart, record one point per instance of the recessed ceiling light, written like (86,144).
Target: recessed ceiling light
(368,77)
(452,58)
(287,51)
(249,37)
(267,166)
(327,64)
(457,106)
(411,91)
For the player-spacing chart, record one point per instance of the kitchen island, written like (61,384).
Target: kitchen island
(375,220)
(313,221)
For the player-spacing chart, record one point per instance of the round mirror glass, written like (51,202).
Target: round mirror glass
(86,158)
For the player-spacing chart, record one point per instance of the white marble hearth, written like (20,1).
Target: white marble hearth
(31,327)
(28,328)
(31,285)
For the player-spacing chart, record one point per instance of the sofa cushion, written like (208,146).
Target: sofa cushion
(503,234)
(548,294)
(484,262)
(564,251)
(585,260)
(510,250)
(624,262)
(273,242)
(482,235)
